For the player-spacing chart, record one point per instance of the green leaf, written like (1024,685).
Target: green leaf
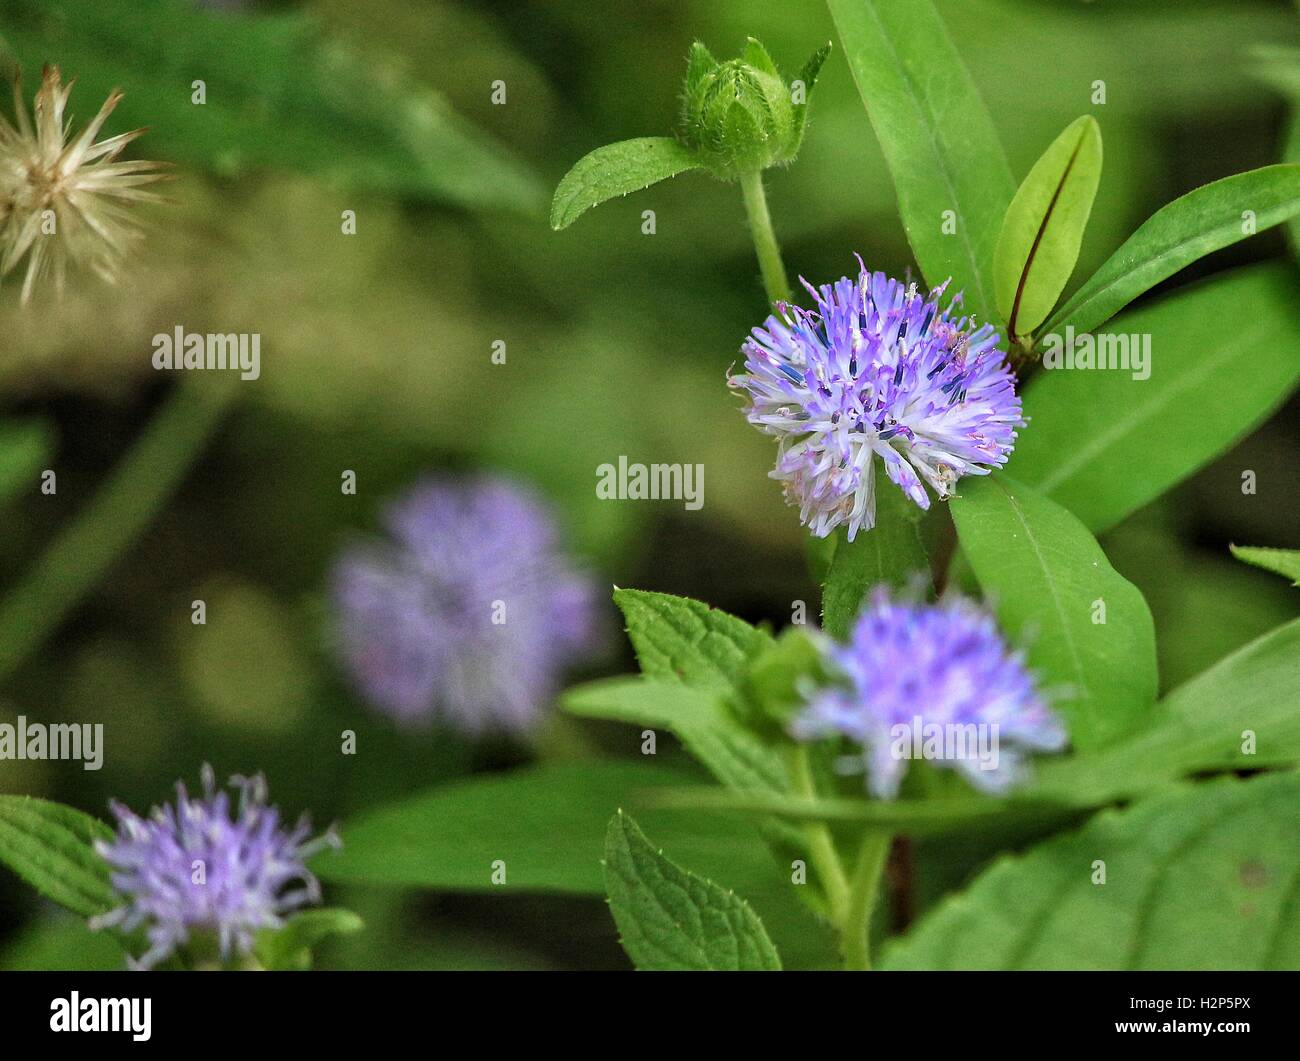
(679,639)
(892,553)
(756,55)
(49,845)
(290,947)
(1284,562)
(1201,877)
(1043,228)
(1200,222)
(25,446)
(277,96)
(1238,715)
(808,75)
(1049,581)
(699,718)
(937,136)
(1222,357)
(617,169)
(673,919)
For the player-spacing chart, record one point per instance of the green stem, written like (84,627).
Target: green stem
(855,930)
(821,847)
(85,550)
(765,245)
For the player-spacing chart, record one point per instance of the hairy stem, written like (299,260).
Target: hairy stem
(85,550)
(765,245)
(821,846)
(855,930)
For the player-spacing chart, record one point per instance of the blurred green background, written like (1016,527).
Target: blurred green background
(376,356)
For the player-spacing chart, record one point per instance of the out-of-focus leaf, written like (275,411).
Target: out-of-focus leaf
(617,169)
(1200,877)
(1284,562)
(277,96)
(290,947)
(1043,229)
(1087,629)
(669,918)
(892,553)
(1223,355)
(1238,715)
(1200,222)
(50,847)
(63,943)
(950,172)
(24,447)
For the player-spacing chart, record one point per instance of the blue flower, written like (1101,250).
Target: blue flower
(935,681)
(204,867)
(467,612)
(877,370)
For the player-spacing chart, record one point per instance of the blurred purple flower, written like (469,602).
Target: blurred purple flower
(928,669)
(196,867)
(877,369)
(467,613)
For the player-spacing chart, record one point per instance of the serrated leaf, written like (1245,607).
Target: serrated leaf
(686,640)
(278,95)
(1048,578)
(617,169)
(25,447)
(672,919)
(941,145)
(1201,877)
(1043,228)
(1202,221)
(290,947)
(1222,356)
(699,718)
(1284,562)
(1238,715)
(49,845)
(892,553)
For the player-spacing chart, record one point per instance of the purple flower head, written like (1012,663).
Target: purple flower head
(932,681)
(467,612)
(206,866)
(877,369)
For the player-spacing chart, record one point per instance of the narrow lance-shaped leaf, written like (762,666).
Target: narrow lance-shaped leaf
(1284,562)
(1200,877)
(617,169)
(671,919)
(949,168)
(1238,715)
(1200,222)
(1088,631)
(1205,365)
(51,847)
(1043,229)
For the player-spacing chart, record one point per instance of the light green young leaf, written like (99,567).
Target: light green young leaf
(1284,562)
(949,168)
(1199,877)
(699,718)
(1202,221)
(892,553)
(25,446)
(679,639)
(617,169)
(1238,715)
(277,96)
(1103,444)
(1043,228)
(1086,628)
(49,845)
(671,919)
(290,947)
